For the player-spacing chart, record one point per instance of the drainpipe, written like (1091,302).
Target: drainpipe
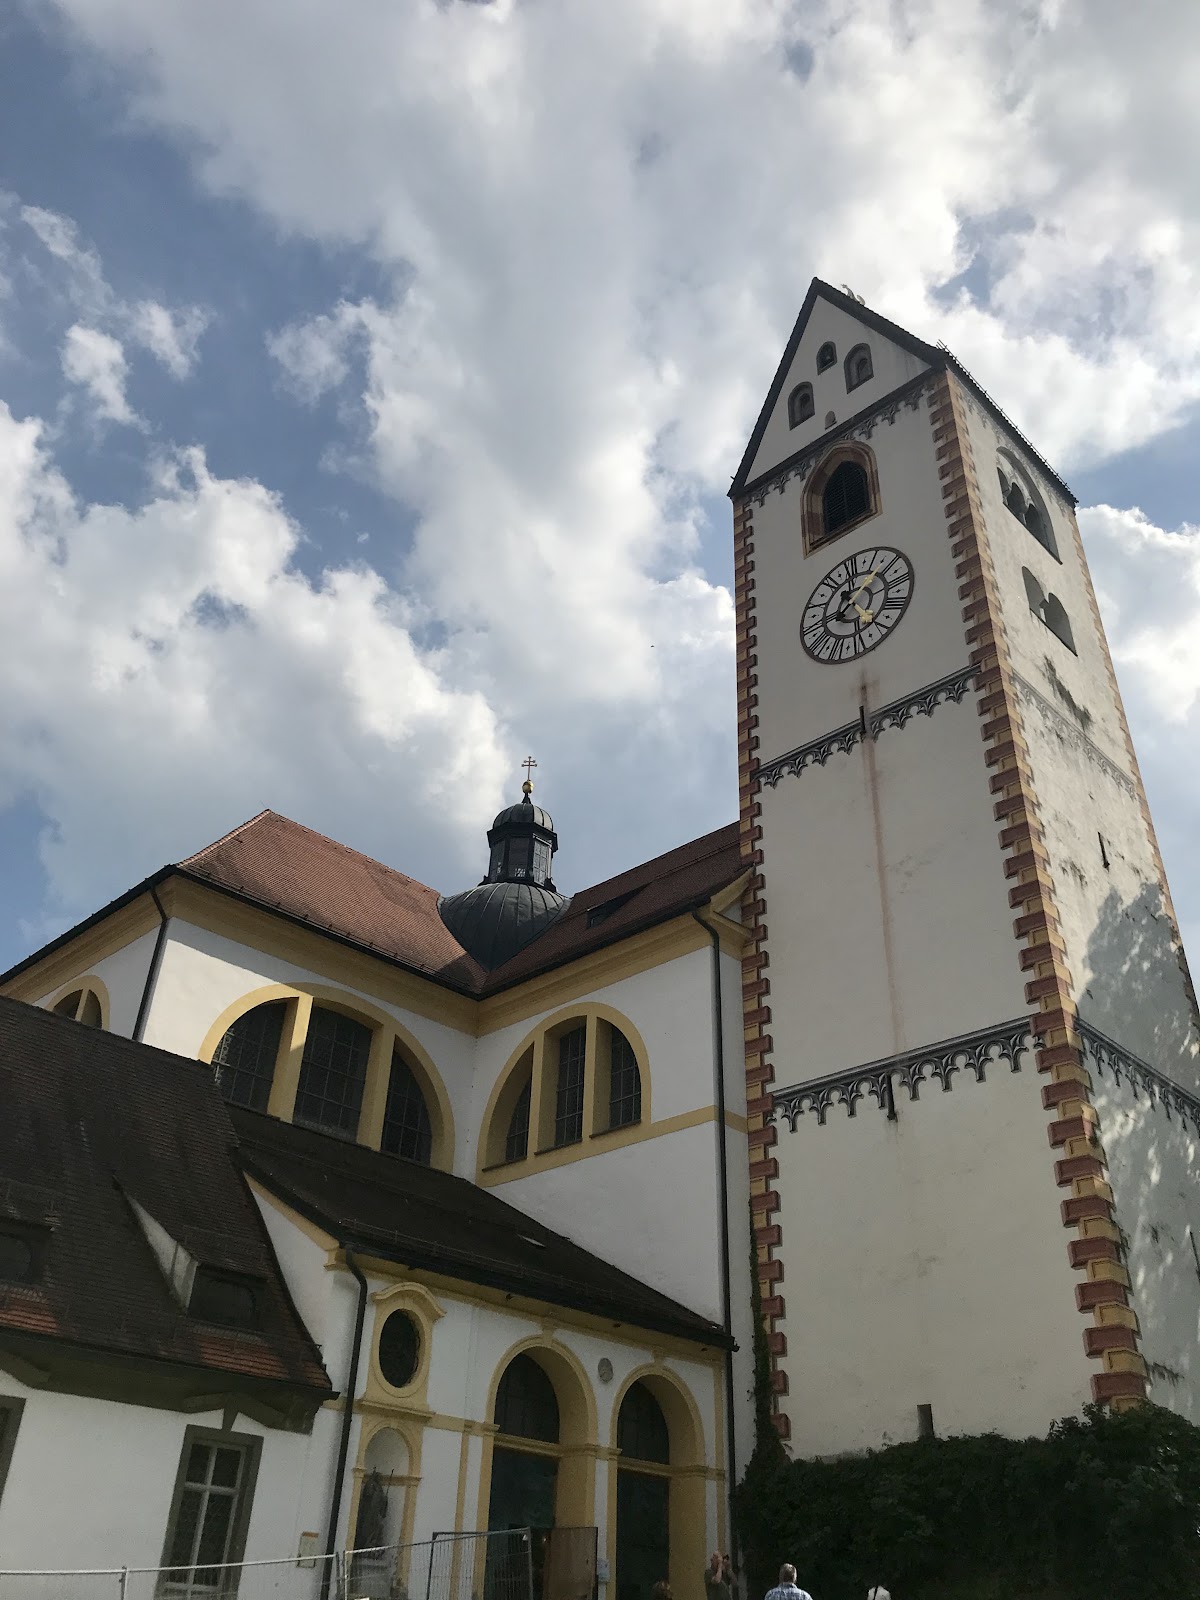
(348,1393)
(160,945)
(718,1024)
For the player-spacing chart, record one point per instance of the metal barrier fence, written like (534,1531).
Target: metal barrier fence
(458,1566)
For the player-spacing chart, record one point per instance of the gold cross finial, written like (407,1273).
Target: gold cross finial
(529,763)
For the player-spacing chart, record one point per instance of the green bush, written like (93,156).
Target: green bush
(1106,1504)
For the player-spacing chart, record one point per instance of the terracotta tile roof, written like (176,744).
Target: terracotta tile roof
(287,867)
(91,1122)
(303,875)
(433,1220)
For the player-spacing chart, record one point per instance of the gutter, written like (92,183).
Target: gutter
(160,944)
(349,1390)
(718,1023)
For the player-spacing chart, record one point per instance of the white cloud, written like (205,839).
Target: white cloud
(170,336)
(167,672)
(313,356)
(594,224)
(97,363)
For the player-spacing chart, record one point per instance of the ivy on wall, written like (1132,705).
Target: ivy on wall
(1106,1504)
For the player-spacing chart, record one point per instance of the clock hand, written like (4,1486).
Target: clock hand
(867,616)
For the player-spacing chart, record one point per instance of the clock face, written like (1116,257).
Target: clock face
(857,605)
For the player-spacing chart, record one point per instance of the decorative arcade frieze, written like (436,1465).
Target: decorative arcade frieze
(921,702)
(1003,1044)
(1111,1060)
(1072,734)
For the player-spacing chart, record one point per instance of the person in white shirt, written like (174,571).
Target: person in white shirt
(786,1588)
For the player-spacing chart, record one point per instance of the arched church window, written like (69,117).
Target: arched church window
(1055,617)
(1034,593)
(1021,499)
(526,1405)
(333,1072)
(81,1005)
(826,356)
(858,366)
(847,496)
(516,1140)
(568,1098)
(407,1130)
(624,1082)
(800,404)
(642,1433)
(244,1061)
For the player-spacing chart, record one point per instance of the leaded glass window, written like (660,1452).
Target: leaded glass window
(642,1432)
(847,496)
(407,1130)
(526,1405)
(624,1084)
(516,1142)
(568,1099)
(333,1072)
(244,1061)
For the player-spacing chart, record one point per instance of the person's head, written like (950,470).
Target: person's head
(787,1573)
(661,1590)
(878,1593)
(726,1565)
(714,1561)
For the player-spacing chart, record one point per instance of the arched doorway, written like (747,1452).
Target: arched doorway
(643,1494)
(543,1468)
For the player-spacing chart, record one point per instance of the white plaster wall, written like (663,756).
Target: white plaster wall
(1119,936)
(124,975)
(799,699)
(603,1201)
(91,1482)
(866,963)
(469,1345)
(925,1265)
(1152,1163)
(893,366)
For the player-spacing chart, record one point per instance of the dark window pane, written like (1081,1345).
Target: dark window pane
(399,1349)
(69,1004)
(244,1061)
(846,497)
(568,1100)
(858,366)
(516,1145)
(333,1072)
(90,1015)
(197,1467)
(625,1084)
(224,1298)
(407,1130)
(641,1427)
(541,860)
(227,1465)
(826,356)
(213,1543)
(526,1405)
(18,1258)
(187,1522)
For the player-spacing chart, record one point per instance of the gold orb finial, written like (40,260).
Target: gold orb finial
(527,787)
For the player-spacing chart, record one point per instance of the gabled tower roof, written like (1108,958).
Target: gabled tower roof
(936,357)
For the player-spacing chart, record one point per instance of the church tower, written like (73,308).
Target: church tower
(971,1037)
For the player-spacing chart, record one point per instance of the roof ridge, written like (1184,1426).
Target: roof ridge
(186,861)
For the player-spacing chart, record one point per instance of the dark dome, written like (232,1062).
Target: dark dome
(526,814)
(495,920)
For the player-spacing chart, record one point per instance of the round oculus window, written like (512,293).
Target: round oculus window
(399,1349)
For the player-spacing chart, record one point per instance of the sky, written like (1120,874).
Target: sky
(372,377)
